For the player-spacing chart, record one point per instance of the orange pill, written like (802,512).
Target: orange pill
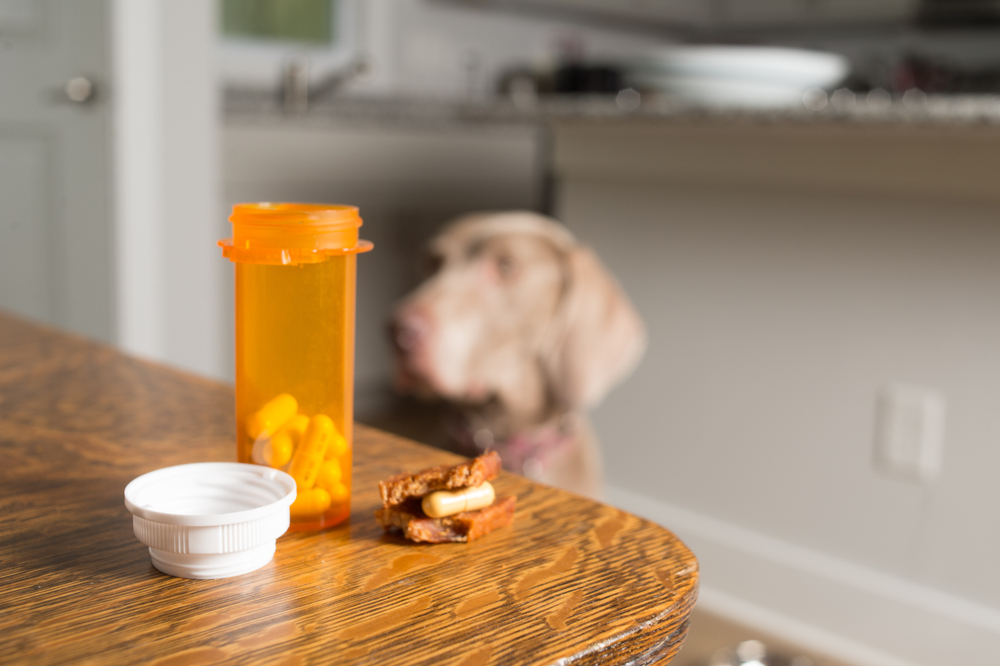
(338,445)
(310,503)
(269,418)
(308,457)
(329,474)
(278,451)
(338,492)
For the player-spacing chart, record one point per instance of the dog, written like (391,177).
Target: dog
(521,329)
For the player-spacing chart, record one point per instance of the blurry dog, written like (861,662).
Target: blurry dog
(521,329)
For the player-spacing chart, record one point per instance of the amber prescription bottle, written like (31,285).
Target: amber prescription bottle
(295,299)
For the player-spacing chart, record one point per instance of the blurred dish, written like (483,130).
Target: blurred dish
(738,75)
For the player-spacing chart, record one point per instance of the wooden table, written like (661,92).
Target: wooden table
(571,582)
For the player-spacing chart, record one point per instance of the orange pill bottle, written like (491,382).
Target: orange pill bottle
(295,308)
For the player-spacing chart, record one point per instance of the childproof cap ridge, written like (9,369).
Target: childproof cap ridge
(210,520)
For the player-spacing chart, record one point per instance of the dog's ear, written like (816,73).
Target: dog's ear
(596,338)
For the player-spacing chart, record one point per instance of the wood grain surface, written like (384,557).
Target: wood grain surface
(570,582)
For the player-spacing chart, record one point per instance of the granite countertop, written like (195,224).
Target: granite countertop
(843,107)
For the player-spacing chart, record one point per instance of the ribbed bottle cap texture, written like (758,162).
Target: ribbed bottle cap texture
(210,520)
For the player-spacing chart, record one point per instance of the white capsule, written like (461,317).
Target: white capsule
(443,503)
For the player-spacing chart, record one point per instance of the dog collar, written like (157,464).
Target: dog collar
(528,452)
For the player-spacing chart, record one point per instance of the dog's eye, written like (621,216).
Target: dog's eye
(506,266)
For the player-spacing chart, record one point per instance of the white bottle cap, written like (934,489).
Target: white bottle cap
(210,520)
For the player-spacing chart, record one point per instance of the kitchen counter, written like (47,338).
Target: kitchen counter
(570,582)
(935,110)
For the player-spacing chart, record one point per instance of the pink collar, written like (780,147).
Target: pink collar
(527,452)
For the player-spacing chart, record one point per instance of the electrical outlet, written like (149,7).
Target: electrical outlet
(909,436)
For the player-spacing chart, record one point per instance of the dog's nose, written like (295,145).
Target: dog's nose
(408,330)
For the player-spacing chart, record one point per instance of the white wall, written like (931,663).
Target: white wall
(166,182)
(786,274)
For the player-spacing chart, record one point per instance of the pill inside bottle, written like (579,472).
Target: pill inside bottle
(269,418)
(278,451)
(443,503)
(308,459)
(311,502)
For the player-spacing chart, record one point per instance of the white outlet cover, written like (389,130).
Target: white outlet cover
(909,432)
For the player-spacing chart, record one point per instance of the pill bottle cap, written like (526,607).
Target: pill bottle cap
(210,520)
(292,233)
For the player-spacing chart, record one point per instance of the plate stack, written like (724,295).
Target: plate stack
(738,76)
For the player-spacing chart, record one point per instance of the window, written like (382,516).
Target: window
(309,22)
(258,37)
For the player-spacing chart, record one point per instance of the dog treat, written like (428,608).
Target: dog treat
(444,477)
(465,526)
(446,503)
(441,503)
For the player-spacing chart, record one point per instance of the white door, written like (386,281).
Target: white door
(55,164)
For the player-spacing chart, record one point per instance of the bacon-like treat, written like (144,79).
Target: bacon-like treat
(447,489)
(401,487)
(466,526)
